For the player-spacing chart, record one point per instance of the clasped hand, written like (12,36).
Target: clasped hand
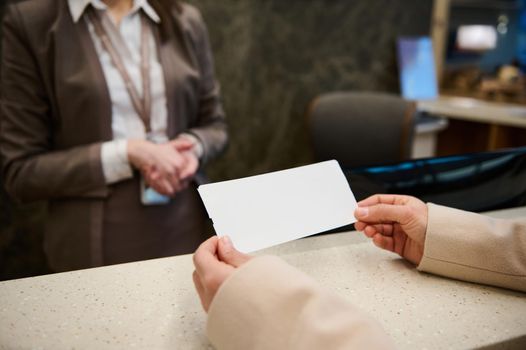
(168,167)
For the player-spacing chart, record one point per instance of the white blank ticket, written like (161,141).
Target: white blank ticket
(261,211)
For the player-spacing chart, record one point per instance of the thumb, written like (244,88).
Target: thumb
(182,144)
(228,254)
(381,213)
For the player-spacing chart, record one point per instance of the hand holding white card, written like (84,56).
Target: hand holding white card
(264,210)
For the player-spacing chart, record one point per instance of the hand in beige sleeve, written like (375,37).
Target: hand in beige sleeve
(264,303)
(446,241)
(395,223)
(214,261)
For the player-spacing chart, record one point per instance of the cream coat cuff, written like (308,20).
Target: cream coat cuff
(475,248)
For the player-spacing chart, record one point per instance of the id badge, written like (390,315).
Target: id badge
(149,196)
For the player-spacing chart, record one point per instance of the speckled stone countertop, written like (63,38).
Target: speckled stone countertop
(152,304)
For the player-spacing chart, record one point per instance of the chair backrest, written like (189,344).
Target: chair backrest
(360,129)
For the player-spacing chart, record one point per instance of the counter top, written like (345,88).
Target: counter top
(474,110)
(152,304)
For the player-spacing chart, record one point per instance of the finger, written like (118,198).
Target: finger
(229,254)
(205,257)
(369,231)
(153,175)
(380,213)
(156,186)
(166,187)
(399,242)
(174,182)
(178,161)
(160,179)
(382,229)
(200,289)
(383,242)
(360,226)
(190,169)
(198,284)
(170,179)
(171,165)
(148,169)
(169,159)
(379,199)
(185,173)
(182,144)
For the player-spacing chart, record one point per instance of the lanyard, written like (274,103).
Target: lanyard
(141,105)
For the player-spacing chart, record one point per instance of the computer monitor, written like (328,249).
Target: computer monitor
(417,68)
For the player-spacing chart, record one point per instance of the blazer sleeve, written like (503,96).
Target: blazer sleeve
(211,128)
(32,169)
(475,248)
(268,304)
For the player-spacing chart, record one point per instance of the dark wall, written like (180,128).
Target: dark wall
(272,58)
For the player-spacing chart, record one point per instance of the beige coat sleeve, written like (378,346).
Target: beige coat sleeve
(475,248)
(268,304)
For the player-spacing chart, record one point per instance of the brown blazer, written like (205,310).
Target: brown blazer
(56,112)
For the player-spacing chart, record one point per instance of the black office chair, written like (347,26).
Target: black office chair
(360,129)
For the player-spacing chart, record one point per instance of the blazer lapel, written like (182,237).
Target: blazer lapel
(95,75)
(82,92)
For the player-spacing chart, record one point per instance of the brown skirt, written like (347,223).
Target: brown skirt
(133,231)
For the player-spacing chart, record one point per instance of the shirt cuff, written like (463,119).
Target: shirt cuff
(198,146)
(115,163)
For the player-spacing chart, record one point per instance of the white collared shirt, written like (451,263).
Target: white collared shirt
(126,123)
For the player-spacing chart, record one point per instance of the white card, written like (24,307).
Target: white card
(261,211)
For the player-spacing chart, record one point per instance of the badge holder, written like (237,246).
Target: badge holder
(149,196)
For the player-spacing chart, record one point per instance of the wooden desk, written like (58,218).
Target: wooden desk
(477,125)
(153,305)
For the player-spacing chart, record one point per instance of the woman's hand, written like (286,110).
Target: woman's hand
(185,148)
(159,164)
(395,223)
(168,167)
(215,260)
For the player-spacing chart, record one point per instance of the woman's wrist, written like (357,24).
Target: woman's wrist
(115,163)
(197,148)
(135,152)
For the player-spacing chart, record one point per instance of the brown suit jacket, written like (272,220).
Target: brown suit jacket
(267,304)
(56,112)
